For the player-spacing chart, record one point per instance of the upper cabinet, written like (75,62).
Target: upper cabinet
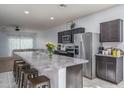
(68,35)
(59,37)
(111,31)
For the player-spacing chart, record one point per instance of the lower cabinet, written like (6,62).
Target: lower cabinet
(109,68)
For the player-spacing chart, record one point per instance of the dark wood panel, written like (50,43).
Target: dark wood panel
(78,30)
(111,71)
(111,31)
(101,68)
(119,72)
(59,37)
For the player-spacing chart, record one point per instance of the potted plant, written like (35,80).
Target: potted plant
(50,47)
(72,25)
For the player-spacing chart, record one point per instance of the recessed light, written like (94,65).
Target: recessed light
(51,18)
(26,12)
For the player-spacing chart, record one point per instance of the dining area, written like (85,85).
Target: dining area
(33,68)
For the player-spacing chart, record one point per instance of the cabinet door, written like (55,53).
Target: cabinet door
(111,31)
(59,37)
(104,32)
(111,71)
(101,67)
(115,31)
(102,70)
(119,69)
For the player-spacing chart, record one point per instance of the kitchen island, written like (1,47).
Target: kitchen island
(63,72)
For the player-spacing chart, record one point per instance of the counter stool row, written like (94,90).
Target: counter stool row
(27,77)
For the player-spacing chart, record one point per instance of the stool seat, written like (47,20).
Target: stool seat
(34,82)
(38,80)
(17,61)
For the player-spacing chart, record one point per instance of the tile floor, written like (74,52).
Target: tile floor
(7,81)
(98,83)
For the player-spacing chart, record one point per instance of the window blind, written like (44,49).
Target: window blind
(20,42)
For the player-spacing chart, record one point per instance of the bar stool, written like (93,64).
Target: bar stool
(18,61)
(15,67)
(15,71)
(39,82)
(26,74)
(15,61)
(19,68)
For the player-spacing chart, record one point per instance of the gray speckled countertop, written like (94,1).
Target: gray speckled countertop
(109,55)
(42,60)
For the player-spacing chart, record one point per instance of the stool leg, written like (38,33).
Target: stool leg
(17,74)
(19,77)
(49,84)
(21,80)
(45,86)
(25,81)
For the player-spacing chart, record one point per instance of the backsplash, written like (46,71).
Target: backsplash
(114,44)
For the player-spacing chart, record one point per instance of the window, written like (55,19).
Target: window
(19,42)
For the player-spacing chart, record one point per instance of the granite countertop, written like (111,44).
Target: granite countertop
(42,60)
(109,55)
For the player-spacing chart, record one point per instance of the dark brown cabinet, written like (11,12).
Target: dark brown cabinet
(109,68)
(111,31)
(59,37)
(68,36)
(65,37)
(77,30)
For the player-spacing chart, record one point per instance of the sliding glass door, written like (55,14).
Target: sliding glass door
(20,42)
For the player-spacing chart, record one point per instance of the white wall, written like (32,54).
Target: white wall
(40,40)
(3,44)
(48,35)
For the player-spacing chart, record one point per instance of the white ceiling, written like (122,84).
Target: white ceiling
(39,16)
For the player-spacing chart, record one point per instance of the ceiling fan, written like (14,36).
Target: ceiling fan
(17,28)
(14,27)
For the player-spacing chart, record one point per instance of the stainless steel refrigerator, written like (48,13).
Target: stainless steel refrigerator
(86,46)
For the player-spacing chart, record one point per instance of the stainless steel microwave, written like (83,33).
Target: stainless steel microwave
(66,39)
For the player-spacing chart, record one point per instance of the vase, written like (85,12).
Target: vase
(50,54)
